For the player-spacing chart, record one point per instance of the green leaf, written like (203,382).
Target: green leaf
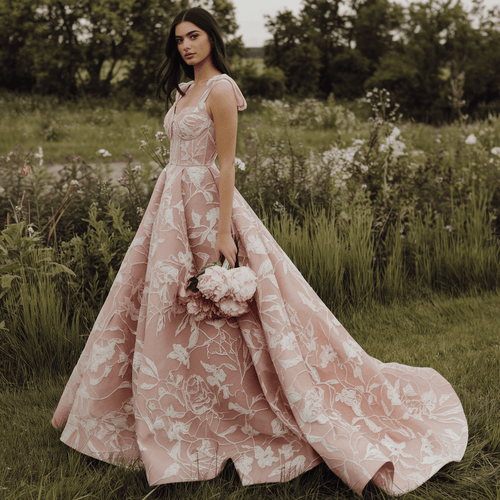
(7,280)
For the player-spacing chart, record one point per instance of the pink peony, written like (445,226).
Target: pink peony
(243,283)
(231,308)
(213,283)
(195,304)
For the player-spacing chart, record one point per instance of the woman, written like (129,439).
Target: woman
(277,389)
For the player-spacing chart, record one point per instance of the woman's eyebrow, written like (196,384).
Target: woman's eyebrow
(187,34)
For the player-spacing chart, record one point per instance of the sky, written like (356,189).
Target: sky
(250,16)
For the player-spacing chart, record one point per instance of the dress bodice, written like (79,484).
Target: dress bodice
(191,130)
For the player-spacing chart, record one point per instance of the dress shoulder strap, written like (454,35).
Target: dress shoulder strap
(240,100)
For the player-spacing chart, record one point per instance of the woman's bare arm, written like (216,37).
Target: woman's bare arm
(221,104)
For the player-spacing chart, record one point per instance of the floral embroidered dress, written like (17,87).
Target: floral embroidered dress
(277,390)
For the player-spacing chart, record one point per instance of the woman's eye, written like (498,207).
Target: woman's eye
(194,37)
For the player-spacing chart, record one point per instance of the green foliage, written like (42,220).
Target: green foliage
(269,83)
(82,46)
(418,52)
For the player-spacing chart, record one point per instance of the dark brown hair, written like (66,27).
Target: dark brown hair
(173,66)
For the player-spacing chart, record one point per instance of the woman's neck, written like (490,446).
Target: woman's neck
(204,71)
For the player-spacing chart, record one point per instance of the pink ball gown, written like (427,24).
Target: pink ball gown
(277,390)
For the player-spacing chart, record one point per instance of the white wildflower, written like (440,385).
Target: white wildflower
(137,168)
(104,153)
(239,164)
(160,136)
(392,144)
(471,139)
(74,182)
(143,144)
(496,151)
(39,155)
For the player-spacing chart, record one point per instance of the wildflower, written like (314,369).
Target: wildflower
(74,182)
(1,189)
(239,164)
(143,144)
(363,186)
(30,231)
(39,155)
(391,143)
(140,211)
(159,136)
(24,171)
(363,168)
(439,180)
(471,139)
(137,168)
(496,151)
(104,153)
(358,142)
(449,228)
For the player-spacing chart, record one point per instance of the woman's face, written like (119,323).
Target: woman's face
(193,43)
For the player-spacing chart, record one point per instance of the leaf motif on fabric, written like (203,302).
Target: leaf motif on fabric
(288,363)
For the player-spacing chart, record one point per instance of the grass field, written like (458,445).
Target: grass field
(459,337)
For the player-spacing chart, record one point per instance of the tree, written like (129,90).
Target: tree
(438,41)
(61,46)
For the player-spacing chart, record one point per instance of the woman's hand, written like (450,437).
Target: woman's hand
(226,246)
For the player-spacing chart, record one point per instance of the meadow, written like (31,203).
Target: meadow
(394,224)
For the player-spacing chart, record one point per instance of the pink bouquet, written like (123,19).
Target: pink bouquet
(218,292)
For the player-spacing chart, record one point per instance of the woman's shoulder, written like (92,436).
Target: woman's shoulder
(224,85)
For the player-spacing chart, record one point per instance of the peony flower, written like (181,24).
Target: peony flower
(196,305)
(496,151)
(231,308)
(243,283)
(471,139)
(213,284)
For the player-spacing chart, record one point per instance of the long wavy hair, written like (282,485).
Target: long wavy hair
(173,67)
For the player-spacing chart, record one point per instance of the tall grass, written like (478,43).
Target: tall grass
(460,255)
(337,253)
(45,331)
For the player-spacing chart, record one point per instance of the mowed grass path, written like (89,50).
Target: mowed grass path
(459,337)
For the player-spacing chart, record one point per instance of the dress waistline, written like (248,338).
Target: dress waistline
(192,165)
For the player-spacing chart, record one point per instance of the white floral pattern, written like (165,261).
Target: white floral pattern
(277,390)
